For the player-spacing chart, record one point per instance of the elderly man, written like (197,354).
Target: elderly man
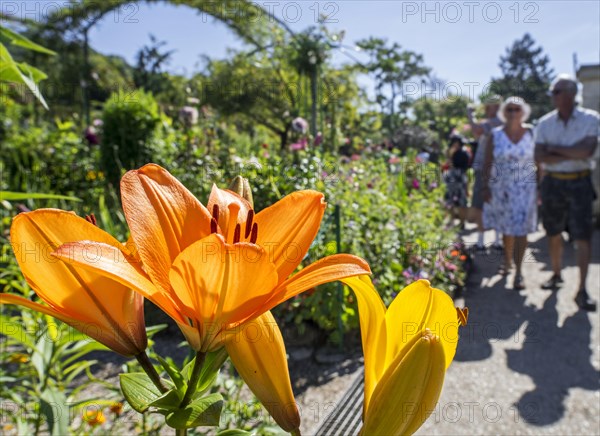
(566,139)
(483,131)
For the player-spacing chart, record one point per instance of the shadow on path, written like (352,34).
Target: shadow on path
(556,355)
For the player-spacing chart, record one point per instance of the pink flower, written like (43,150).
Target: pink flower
(318,139)
(415,184)
(300,145)
(355,157)
(394,160)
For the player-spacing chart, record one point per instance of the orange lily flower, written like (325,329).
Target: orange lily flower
(213,271)
(98,306)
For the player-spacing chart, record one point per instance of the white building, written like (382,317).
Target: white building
(589,76)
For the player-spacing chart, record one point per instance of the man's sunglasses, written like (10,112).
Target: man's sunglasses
(513,109)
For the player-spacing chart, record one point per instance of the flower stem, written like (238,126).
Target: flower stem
(180,431)
(194,377)
(147,366)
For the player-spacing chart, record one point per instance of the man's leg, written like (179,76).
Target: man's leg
(555,246)
(584,256)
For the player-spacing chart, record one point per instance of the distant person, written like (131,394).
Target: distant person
(509,184)
(483,130)
(566,140)
(434,152)
(456,179)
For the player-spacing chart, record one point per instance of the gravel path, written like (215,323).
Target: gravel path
(527,363)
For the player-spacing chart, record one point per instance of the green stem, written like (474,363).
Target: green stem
(147,366)
(180,431)
(194,377)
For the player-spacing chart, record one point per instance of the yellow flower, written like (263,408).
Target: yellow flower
(18,358)
(74,295)
(94,417)
(407,349)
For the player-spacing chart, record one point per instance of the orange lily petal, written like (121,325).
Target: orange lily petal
(75,293)
(220,284)
(287,228)
(326,270)
(107,261)
(103,333)
(371,312)
(164,218)
(232,209)
(419,306)
(258,353)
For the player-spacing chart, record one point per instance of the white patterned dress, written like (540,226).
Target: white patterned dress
(512,209)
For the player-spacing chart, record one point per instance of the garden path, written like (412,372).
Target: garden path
(527,362)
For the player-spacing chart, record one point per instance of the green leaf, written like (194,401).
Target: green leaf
(10,72)
(41,357)
(234,432)
(16,331)
(202,411)
(173,372)
(169,401)
(212,364)
(7,35)
(35,74)
(139,391)
(7,195)
(53,404)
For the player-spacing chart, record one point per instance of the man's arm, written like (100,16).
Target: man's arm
(580,150)
(543,154)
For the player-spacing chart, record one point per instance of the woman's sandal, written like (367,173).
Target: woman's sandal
(518,284)
(503,269)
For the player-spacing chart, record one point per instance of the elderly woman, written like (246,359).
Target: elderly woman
(510,184)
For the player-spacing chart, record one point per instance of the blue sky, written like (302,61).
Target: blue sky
(461,41)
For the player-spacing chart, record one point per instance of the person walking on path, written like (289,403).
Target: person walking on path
(510,192)
(455,178)
(566,139)
(484,131)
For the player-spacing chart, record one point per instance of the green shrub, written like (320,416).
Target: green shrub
(130,122)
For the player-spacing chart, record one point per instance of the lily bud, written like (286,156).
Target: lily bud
(241,186)
(258,354)
(409,389)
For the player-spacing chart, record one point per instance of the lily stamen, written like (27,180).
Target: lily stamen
(249,220)
(236,234)
(254,236)
(91,218)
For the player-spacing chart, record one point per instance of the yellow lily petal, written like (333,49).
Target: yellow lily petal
(417,307)
(371,312)
(220,284)
(164,218)
(76,294)
(287,228)
(326,270)
(231,210)
(409,390)
(258,353)
(107,261)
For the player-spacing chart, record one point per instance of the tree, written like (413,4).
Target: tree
(149,71)
(392,68)
(441,116)
(527,74)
